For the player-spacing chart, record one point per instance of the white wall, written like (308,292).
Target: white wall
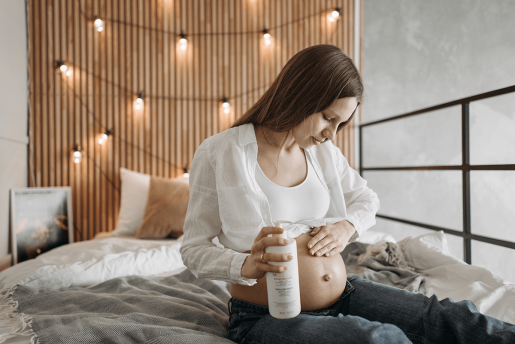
(420,53)
(13,107)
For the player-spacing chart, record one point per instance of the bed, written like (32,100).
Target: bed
(156,299)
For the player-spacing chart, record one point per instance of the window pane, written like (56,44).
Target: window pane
(430,197)
(494,258)
(492,130)
(492,204)
(427,139)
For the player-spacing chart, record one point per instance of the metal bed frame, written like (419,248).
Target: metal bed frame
(465,167)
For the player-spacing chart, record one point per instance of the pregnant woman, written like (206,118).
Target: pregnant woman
(278,163)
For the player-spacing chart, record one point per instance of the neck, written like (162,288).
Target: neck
(281,141)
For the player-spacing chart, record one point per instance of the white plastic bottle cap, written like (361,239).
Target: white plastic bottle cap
(282,224)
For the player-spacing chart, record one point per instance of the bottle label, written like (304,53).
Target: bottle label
(284,286)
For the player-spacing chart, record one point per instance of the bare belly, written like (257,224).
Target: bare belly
(322,280)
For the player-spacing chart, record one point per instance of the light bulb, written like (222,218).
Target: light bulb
(99,24)
(183,41)
(103,138)
(226,105)
(63,67)
(77,155)
(139,101)
(266,36)
(335,14)
(186,174)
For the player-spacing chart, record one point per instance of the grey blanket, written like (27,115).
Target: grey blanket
(131,309)
(174,309)
(380,270)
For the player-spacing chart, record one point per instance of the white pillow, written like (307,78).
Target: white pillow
(134,196)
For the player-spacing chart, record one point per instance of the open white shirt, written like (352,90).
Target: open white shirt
(226,202)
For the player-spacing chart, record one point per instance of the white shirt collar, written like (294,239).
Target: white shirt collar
(247,134)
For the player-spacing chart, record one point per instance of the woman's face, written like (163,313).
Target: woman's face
(322,126)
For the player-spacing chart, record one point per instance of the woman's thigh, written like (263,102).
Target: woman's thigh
(312,329)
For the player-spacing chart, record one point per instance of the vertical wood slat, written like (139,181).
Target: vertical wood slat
(110,68)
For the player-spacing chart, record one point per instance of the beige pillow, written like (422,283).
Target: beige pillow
(165,210)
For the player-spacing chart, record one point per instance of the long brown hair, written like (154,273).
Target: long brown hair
(309,82)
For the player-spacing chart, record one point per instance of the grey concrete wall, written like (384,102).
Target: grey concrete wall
(421,53)
(13,107)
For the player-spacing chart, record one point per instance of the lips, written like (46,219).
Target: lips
(316,141)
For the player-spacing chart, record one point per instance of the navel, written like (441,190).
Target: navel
(326,277)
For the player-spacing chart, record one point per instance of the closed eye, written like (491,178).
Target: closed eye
(327,119)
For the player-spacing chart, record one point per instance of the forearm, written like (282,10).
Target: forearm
(212,262)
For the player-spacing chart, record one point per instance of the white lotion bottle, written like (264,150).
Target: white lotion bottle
(283,288)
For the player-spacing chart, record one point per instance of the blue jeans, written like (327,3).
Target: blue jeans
(369,312)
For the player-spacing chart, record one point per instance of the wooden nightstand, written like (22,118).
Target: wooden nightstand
(5,261)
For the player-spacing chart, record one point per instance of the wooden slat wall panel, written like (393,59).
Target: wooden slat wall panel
(138,51)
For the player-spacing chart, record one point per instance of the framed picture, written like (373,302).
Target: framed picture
(41,219)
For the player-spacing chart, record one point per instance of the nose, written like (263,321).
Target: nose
(330,133)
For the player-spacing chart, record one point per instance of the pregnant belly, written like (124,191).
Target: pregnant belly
(322,280)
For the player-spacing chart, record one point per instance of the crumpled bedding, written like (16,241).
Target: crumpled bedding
(130,309)
(383,263)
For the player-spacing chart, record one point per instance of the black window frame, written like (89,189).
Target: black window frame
(465,167)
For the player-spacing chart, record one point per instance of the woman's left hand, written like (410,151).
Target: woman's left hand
(330,240)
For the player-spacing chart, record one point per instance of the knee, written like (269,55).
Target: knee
(365,331)
(387,333)
(465,305)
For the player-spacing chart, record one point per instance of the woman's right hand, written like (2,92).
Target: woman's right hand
(253,267)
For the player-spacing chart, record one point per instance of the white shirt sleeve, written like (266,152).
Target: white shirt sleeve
(362,202)
(202,224)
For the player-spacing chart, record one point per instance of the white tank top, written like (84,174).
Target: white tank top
(308,200)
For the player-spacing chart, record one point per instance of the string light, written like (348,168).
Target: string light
(77,155)
(104,137)
(63,68)
(99,24)
(266,36)
(334,15)
(139,101)
(183,41)
(226,105)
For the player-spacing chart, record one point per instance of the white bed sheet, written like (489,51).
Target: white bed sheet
(94,261)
